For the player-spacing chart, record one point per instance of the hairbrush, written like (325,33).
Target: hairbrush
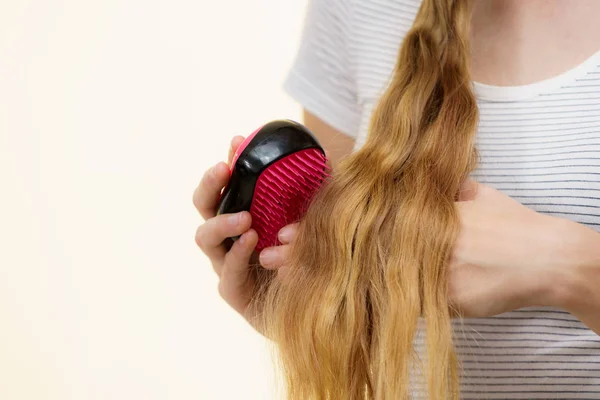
(274,174)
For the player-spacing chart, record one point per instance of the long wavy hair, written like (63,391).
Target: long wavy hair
(370,261)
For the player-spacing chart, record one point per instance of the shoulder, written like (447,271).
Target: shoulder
(402,11)
(375,32)
(370,10)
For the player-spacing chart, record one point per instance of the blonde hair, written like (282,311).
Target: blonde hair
(371,254)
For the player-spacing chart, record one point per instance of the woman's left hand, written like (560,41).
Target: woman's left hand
(501,255)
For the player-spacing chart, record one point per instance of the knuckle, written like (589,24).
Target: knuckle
(197,198)
(204,181)
(209,174)
(200,237)
(202,192)
(208,181)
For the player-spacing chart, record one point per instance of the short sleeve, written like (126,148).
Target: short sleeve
(321,78)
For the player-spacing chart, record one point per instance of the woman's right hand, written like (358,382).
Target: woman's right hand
(236,282)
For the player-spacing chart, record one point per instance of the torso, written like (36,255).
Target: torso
(540,144)
(515,42)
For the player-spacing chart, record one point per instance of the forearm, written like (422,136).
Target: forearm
(337,144)
(575,276)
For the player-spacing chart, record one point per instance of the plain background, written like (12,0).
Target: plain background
(110,111)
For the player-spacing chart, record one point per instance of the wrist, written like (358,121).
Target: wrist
(574,266)
(539,280)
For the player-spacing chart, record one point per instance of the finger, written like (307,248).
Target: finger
(207,193)
(468,190)
(274,257)
(211,234)
(235,286)
(235,143)
(288,233)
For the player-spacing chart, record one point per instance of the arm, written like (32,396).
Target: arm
(508,256)
(337,144)
(576,274)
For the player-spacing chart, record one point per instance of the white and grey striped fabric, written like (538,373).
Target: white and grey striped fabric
(539,143)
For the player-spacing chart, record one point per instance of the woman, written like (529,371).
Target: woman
(527,261)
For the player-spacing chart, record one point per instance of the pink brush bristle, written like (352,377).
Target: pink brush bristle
(283,192)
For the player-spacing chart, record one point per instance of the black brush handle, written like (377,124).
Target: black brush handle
(275,140)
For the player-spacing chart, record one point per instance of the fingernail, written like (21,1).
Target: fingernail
(268,256)
(234,219)
(284,234)
(213,171)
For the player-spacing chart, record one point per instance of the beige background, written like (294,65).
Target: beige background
(109,113)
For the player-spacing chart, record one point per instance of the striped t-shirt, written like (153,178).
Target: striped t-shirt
(538,143)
